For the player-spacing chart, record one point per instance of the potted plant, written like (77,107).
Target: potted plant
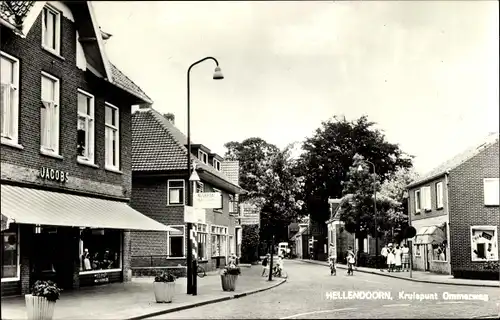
(41,302)
(164,287)
(228,277)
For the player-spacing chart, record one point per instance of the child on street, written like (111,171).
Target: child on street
(350,262)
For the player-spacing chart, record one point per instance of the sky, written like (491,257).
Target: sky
(425,71)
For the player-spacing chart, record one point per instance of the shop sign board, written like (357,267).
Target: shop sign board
(207,200)
(101,278)
(194,215)
(54,174)
(250,215)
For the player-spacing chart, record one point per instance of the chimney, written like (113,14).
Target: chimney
(170,117)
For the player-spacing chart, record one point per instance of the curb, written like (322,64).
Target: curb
(413,279)
(206,302)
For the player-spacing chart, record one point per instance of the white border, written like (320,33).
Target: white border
(18,278)
(485,228)
(183,241)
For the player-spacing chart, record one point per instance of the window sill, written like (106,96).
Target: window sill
(427,210)
(53,52)
(491,205)
(218,211)
(173,258)
(86,163)
(99,271)
(10,279)
(175,204)
(51,154)
(440,208)
(11,143)
(111,169)
(439,261)
(484,260)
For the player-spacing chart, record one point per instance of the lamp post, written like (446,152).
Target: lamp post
(410,245)
(360,168)
(217,76)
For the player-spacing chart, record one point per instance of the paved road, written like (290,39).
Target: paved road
(304,296)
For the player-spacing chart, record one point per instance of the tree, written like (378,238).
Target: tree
(252,153)
(329,153)
(249,243)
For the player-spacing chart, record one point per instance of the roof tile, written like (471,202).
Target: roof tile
(124,82)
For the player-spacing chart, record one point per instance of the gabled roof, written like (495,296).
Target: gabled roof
(14,13)
(157,145)
(457,160)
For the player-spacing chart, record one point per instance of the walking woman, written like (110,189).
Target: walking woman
(406,258)
(391,258)
(397,258)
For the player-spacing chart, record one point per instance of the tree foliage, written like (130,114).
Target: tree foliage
(329,153)
(249,243)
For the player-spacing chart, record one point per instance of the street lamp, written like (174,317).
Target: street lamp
(217,76)
(360,168)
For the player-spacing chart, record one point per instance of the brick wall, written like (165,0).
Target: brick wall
(467,206)
(149,196)
(33,59)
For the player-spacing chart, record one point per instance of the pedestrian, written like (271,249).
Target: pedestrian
(265,264)
(331,264)
(350,262)
(406,258)
(390,257)
(384,254)
(397,258)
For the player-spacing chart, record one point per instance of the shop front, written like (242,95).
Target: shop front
(71,239)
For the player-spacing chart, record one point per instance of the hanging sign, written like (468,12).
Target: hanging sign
(194,215)
(208,200)
(53,175)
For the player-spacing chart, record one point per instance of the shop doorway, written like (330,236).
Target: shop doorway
(52,256)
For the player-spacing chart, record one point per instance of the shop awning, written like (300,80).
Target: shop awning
(430,235)
(39,207)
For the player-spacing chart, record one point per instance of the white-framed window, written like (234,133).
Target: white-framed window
(418,201)
(85,126)
(491,191)
(200,188)
(175,192)
(51,29)
(221,201)
(112,137)
(100,250)
(49,114)
(10,254)
(176,241)
(484,244)
(439,252)
(9,97)
(233,204)
(219,240)
(426,198)
(202,239)
(203,156)
(216,164)
(439,195)
(417,250)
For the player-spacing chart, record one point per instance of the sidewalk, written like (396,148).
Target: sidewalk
(135,299)
(418,276)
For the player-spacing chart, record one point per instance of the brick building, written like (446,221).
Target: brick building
(158,190)
(454,209)
(65,150)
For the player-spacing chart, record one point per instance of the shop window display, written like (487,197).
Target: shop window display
(100,249)
(10,253)
(484,244)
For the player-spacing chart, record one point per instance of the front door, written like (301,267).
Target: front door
(428,257)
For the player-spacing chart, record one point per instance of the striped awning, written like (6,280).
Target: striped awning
(430,235)
(39,207)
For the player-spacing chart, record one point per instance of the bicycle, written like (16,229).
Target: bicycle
(200,272)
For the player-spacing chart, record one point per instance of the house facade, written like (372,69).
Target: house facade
(455,210)
(65,150)
(159,190)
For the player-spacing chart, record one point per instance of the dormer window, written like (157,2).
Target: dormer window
(51,30)
(217,164)
(203,156)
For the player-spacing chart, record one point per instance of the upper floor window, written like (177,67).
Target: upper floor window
(51,30)
(112,137)
(233,205)
(417,201)
(9,95)
(221,201)
(199,187)
(217,164)
(49,114)
(175,192)
(491,191)
(85,131)
(439,195)
(426,198)
(203,156)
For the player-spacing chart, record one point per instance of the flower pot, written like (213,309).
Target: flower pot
(164,291)
(228,282)
(39,308)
